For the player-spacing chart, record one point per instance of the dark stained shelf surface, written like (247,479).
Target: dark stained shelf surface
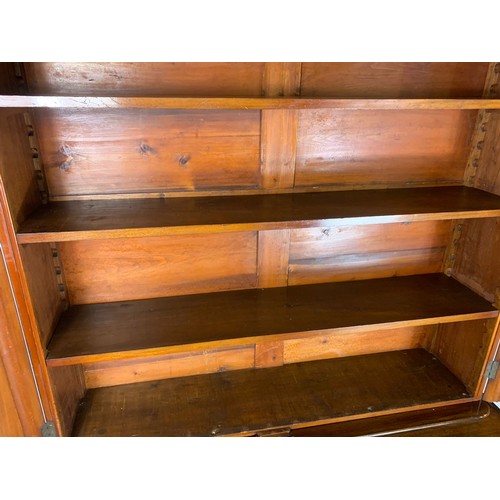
(94,332)
(72,220)
(249,401)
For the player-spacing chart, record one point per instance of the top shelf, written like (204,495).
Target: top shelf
(103,102)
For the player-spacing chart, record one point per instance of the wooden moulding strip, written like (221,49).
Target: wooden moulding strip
(219,344)
(103,102)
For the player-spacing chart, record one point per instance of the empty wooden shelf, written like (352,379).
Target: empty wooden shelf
(97,332)
(70,220)
(253,401)
(204,249)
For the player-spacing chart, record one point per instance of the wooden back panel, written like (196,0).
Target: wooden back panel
(382,147)
(393,80)
(125,151)
(146,79)
(137,268)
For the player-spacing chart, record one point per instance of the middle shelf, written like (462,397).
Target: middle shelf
(121,330)
(119,218)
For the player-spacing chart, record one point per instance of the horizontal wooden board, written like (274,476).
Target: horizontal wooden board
(334,345)
(107,373)
(393,80)
(90,333)
(367,251)
(113,151)
(380,147)
(72,220)
(146,78)
(435,420)
(248,401)
(243,103)
(139,268)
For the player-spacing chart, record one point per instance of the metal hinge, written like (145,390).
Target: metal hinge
(491,370)
(48,429)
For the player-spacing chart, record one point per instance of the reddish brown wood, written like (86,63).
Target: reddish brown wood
(268,354)
(273,257)
(10,421)
(116,151)
(335,345)
(109,373)
(380,147)
(44,288)
(241,103)
(432,421)
(366,251)
(393,80)
(16,166)
(282,79)
(69,388)
(8,81)
(73,220)
(89,333)
(146,79)
(463,348)
(110,270)
(254,400)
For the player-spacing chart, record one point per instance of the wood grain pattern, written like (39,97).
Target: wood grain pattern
(240,103)
(146,79)
(73,220)
(111,373)
(253,400)
(393,80)
(485,427)
(69,388)
(463,348)
(273,258)
(95,332)
(433,420)
(366,251)
(44,288)
(113,151)
(268,354)
(16,166)
(10,422)
(335,345)
(139,268)
(18,332)
(281,79)
(278,145)
(362,147)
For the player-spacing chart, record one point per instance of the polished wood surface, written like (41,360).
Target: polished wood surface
(463,349)
(73,220)
(16,166)
(10,422)
(486,427)
(434,420)
(69,388)
(273,258)
(110,373)
(89,333)
(146,79)
(356,252)
(390,80)
(331,344)
(252,400)
(42,281)
(113,151)
(381,147)
(242,103)
(109,270)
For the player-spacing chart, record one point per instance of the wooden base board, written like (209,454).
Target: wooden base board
(251,401)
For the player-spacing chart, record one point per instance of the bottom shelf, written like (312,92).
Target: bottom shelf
(253,401)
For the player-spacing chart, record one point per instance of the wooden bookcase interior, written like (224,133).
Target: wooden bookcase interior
(252,248)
